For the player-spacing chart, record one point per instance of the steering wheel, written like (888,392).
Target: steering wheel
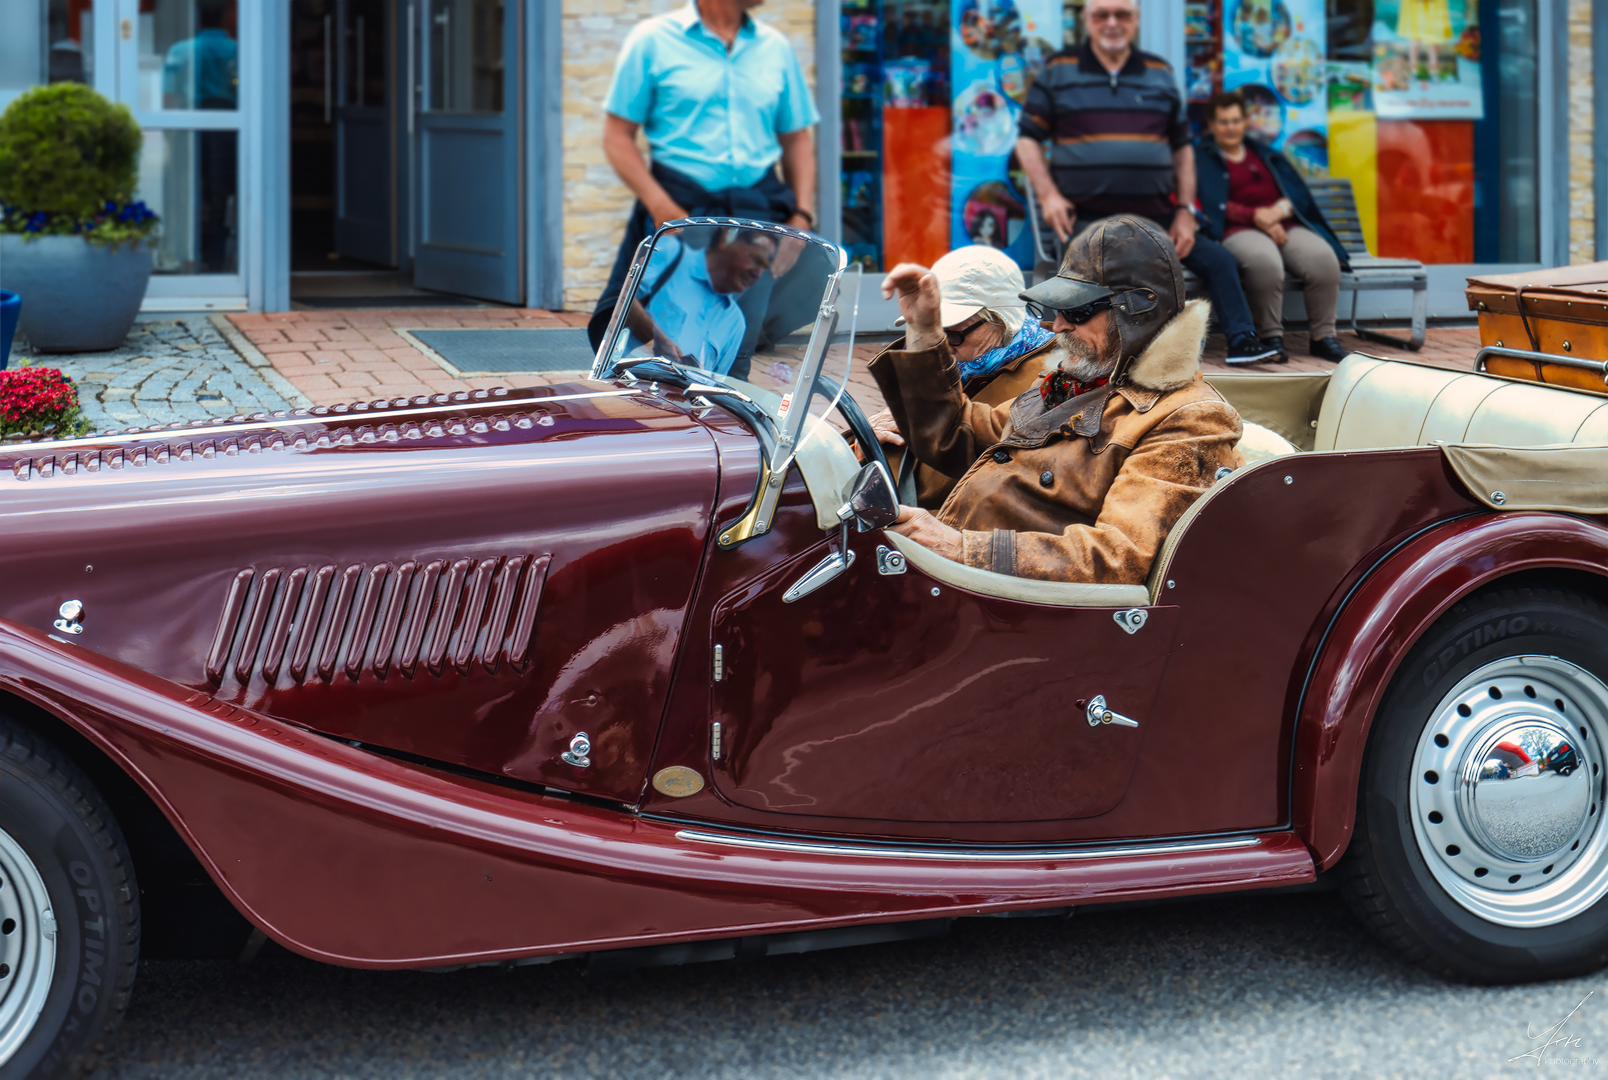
(858,424)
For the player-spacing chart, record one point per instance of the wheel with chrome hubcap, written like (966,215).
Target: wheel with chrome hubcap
(27,945)
(69,910)
(1505,791)
(1479,849)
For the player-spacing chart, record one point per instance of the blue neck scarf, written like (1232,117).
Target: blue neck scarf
(1031,336)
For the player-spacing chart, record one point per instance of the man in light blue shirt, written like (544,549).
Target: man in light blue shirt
(203,72)
(687,307)
(722,100)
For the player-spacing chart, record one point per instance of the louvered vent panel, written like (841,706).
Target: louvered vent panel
(328,622)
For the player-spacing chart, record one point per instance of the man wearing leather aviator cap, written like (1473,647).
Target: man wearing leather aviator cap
(1081,477)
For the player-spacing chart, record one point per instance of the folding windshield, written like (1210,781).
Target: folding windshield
(757,308)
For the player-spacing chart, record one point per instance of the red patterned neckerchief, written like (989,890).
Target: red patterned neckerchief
(1059,386)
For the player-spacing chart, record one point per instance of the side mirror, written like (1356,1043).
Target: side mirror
(872,502)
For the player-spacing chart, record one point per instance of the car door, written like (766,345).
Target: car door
(897,697)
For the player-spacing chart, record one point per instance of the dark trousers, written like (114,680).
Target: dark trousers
(769,200)
(1215,266)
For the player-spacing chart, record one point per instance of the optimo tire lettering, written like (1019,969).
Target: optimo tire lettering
(89,979)
(1474,639)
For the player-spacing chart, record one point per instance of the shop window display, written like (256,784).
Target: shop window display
(931,93)
(1430,119)
(1428,107)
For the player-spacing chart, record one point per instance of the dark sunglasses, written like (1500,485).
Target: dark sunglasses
(1076,316)
(957,338)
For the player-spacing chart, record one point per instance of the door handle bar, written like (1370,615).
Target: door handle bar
(410,89)
(1099,713)
(329,65)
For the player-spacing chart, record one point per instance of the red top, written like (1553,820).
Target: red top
(1250,187)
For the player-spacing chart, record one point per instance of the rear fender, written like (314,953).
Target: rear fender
(1377,627)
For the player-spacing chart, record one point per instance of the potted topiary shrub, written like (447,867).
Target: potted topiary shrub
(74,244)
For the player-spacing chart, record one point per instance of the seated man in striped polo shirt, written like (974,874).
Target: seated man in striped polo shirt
(1120,144)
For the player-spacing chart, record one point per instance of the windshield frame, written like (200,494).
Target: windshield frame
(790,417)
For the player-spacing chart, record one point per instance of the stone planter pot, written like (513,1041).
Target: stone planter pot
(76,296)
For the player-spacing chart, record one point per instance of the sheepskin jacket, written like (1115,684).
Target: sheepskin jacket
(1086,491)
(999,388)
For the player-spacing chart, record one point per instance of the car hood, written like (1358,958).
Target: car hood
(365,570)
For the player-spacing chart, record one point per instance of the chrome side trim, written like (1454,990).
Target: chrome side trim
(236,427)
(804,847)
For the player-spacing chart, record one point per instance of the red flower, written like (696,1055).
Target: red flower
(32,399)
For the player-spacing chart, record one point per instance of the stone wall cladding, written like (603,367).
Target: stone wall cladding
(596,204)
(1582,200)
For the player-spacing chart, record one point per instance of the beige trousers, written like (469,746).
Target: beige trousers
(1263,263)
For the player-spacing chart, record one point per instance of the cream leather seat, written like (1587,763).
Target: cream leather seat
(1378,403)
(1375,404)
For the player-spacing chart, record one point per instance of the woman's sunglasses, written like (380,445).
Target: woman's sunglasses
(957,337)
(1076,316)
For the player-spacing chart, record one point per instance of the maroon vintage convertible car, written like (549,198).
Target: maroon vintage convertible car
(628,669)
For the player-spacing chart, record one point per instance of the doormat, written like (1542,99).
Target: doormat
(497,352)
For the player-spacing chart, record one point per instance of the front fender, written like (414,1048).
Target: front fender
(1393,606)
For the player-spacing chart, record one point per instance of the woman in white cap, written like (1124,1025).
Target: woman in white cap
(996,346)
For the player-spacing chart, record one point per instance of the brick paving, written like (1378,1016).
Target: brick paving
(196,367)
(185,368)
(334,356)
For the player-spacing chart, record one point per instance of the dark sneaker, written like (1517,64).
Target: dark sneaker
(1277,344)
(1329,349)
(1248,350)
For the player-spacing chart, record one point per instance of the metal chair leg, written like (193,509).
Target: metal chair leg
(1420,322)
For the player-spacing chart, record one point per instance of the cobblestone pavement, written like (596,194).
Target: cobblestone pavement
(1231,986)
(170,369)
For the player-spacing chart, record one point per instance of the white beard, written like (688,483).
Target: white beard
(1078,359)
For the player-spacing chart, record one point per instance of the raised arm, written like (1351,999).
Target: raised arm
(921,383)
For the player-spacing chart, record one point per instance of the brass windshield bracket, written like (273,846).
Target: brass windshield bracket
(756,520)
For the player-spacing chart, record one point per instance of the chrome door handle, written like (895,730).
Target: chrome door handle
(1099,714)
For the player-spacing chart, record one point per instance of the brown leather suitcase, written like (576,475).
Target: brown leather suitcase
(1563,311)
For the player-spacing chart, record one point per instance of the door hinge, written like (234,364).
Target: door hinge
(714,741)
(720,663)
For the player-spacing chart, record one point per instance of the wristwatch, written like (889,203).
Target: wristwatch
(807,216)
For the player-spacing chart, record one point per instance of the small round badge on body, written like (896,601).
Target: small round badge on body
(677,781)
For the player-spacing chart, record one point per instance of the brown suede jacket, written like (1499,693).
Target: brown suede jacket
(1000,388)
(1086,491)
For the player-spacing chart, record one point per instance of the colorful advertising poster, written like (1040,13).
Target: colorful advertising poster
(1426,63)
(1273,53)
(996,50)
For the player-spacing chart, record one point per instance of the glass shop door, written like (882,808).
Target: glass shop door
(178,67)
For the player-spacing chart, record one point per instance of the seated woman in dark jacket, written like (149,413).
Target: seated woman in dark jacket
(1256,204)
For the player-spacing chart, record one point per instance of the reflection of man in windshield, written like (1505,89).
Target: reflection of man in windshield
(687,306)
(203,72)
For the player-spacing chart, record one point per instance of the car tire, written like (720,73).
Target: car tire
(1479,851)
(69,911)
